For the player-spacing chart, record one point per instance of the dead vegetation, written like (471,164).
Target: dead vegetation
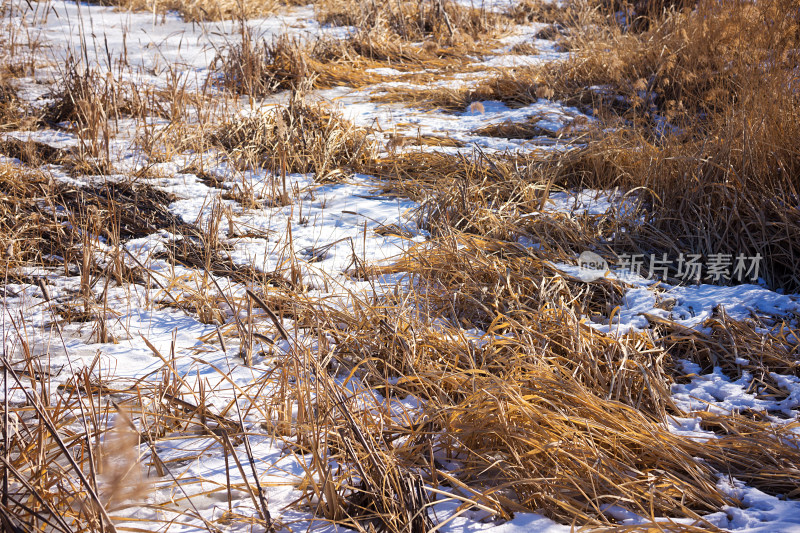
(260,67)
(302,136)
(695,127)
(521,406)
(204,10)
(441,21)
(14,115)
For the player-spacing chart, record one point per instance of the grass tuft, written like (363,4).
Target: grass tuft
(299,137)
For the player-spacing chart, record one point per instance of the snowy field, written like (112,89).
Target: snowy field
(187,328)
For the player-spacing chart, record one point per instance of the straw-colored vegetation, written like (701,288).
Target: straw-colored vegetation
(204,10)
(694,115)
(298,137)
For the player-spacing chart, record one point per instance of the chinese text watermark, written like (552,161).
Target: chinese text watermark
(692,268)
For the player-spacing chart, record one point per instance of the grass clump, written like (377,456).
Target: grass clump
(441,21)
(260,68)
(204,10)
(299,137)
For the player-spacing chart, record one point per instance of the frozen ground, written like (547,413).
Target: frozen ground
(327,232)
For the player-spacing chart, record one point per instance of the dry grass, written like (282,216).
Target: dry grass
(204,10)
(695,127)
(522,406)
(91,104)
(530,129)
(544,415)
(260,68)
(299,137)
(13,114)
(436,20)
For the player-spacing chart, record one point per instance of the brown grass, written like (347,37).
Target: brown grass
(546,415)
(204,10)
(13,113)
(440,21)
(260,68)
(696,127)
(533,411)
(299,137)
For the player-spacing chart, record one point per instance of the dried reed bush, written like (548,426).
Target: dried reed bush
(499,197)
(703,62)
(33,153)
(442,21)
(416,175)
(199,250)
(204,10)
(371,489)
(565,451)
(524,331)
(725,194)
(260,68)
(27,232)
(123,210)
(91,103)
(497,278)
(491,408)
(758,452)
(736,348)
(382,44)
(195,293)
(301,136)
(47,223)
(84,97)
(690,65)
(544,414)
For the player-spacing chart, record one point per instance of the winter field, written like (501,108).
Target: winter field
(406,266)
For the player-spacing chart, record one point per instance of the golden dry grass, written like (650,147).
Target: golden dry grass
(442,22)
(523,406)
(204,10)
(299,137)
